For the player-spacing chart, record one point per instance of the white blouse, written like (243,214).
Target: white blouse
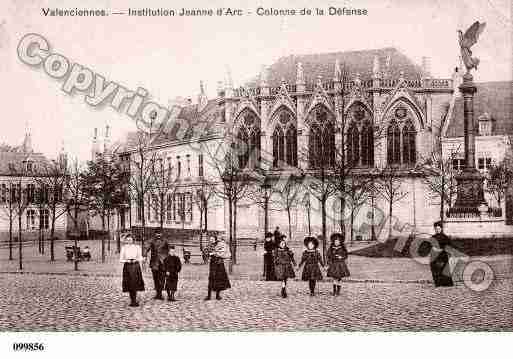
(130,252)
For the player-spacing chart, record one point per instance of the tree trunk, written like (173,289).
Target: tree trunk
(230,234)
(352,224)
(290,225)
(108,230)
(309,221)
(266,215)
(52,236)
(390,204)
(103,239)
(323,214)
(235,232)
(11,219)
(20,248)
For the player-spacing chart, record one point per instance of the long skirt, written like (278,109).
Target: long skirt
(338,269)
(269,267)
(217,276)
(132,277)
(171,282)
(284,271)
(441,271)
(311,272)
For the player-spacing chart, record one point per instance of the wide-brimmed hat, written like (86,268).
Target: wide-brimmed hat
(336,236)
(312,240)
(269,235)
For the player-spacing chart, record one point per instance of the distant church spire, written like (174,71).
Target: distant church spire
(202,98)
(27,141)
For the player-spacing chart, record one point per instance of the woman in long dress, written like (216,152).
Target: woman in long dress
(440,268)
(269,247)
(217,276)
(131,257)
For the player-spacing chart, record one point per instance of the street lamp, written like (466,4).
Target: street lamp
(266,190)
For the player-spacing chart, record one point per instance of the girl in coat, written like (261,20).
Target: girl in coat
(131,256)
(284,265)
(311,259)
(439,264)
(336,257)
(217,276)
(269,247)
(172,266)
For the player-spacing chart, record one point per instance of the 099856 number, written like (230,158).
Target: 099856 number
(28,346)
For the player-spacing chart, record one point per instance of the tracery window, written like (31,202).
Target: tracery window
(401,140)
(321,145)
(285,142)
(248,142)
(408,138)
(393,144)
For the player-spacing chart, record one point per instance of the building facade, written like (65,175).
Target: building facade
(376,109)
(26,192)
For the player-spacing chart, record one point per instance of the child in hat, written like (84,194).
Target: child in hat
(172,266)
(311,259)
(283,265)
(336,257)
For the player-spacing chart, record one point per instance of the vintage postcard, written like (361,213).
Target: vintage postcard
(235,166)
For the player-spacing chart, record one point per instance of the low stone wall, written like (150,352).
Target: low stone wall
(29,235)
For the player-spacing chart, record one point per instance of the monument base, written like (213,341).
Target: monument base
(470,193)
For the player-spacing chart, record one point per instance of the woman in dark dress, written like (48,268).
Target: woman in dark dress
(217,276)
(336,258)
(311,259)
(439,264)
(269,247)
(172,266)
(132,282)
(284,265)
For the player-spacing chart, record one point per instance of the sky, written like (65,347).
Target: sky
(169,56)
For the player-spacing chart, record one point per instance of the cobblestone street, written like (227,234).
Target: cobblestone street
(66,303)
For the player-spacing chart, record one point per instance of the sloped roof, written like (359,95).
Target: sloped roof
(355,61)
(493,98)
(197,123)
(8,158)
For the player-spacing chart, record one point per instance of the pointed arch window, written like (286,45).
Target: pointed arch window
(248,142)
(408,138)
(291,149)
(353,145)
(284,141)
(393,144)
(321,146)
(367,145)
(278,146)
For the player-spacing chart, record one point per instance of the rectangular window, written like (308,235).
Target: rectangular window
(174,206)
(169,207)
(200,165)
(488,162)
(188,158)
(31,190)
(480,163)
(3,193)
(43,219)
(189,208)
(169,168)
(31,219)
(178,167)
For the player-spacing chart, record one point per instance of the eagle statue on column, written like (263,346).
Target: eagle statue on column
(468,40)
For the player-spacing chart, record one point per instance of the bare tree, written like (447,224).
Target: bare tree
(359,192)
(51,183)
(162,182)
(287,196)
(8,199)
(203,198)
(389,185)
(235,182)
(75,201)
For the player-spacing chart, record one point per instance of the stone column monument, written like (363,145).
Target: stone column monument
(470,195)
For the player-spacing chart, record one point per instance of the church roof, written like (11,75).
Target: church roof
(493,98)
(12,160)
(355,61)
(196,122)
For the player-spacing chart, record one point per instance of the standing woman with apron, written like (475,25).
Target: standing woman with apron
(131,256)
(217,276)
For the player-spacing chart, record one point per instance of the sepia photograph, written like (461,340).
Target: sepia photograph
(233,166)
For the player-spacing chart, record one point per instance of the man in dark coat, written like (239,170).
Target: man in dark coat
(158,249)
(277,236)
(439,264)
(269,247)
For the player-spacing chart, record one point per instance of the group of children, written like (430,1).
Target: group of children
(279,262)
(282,266)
